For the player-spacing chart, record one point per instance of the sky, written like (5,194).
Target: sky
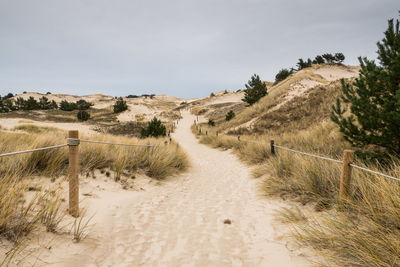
(184,48)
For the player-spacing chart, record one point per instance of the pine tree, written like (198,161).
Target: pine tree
(230,115)
(120,105)
(374,98)
(154,129)
(255,89)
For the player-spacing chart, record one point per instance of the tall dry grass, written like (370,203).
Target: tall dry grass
(364,231)
(21,213)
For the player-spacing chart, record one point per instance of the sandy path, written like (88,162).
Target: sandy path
(181,222)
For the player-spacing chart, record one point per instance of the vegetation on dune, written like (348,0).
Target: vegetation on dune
(83,115)
(230,115)
(363,231)
(120,105)
(255,90)
(155,128)
(374,99)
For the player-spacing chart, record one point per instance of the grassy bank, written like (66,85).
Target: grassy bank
(364,232)
(25,208)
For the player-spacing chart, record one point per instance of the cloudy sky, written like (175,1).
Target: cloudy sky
(186,48)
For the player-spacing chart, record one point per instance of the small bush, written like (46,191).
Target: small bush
(211,122)
(212,95)
(154,129)
(282,75)
(120,105)
(83,115)
(230,115)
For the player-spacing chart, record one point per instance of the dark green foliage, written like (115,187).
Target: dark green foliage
(154,129)
(301,64)
(212,95)
(83,115)
(329,58)
(339,58)
(230,115)
(31,104)
(374,99)
(132,96)
(255,89)
(83,104)
(68,106)
(120,105)
(319,60)
(44,103)
(211,122)
(9,95)
(48,93)
(283,74)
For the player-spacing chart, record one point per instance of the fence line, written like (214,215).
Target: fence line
(110,143)
(73,143)
(348,157)
(32,150)
(308,154)
(374,172)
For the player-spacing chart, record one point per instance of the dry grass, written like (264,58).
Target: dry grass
(364,231)
(25,208)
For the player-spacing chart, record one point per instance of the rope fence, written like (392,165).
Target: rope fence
(348,158)
(73,143)
(32,150)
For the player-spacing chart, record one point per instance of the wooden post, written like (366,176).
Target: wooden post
(238,137)
(273,147)
(73,173)
(206,132)
(345,180)
(216,133)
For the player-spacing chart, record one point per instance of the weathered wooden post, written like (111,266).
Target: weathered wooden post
(216,133)
(73,145)
(273,147)
(238,137)
(206,132)
(345,180)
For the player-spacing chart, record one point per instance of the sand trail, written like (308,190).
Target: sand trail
(181,222)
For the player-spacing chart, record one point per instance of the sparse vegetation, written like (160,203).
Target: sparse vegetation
(83,115)
(120,105)
(230,115)
(283,74)
(255,90)
(155,128)
(374,118)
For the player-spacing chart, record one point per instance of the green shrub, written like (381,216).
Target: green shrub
(120,105)
(83,115)
(154,129)
(67,106)
(211,122)
(83,104)
(282,74)
(230,115)
(255,90)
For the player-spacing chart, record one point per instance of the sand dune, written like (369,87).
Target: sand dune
(181,223)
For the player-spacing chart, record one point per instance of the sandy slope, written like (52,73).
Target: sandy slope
(181,222)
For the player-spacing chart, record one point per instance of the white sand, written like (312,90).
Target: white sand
(10,123)
(180,223)
(336,72)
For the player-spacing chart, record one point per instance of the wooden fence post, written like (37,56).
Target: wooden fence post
(73,146)
(345,180)
(238,137)
(273,147)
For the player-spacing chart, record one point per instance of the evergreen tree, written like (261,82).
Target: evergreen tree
(319,60)
(329,58)
(83,104)
(374,98)
(230,115)
(282,75)
(83,115)
(31,104)
(339,58)
(255,89)
(154,129)
(301,64)
(44,103)
(19,103)
(120,105)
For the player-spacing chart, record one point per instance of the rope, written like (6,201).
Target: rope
(375,172)
(109,143)
(308,154)
(31,150)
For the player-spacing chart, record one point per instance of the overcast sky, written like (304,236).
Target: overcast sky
(183,48)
